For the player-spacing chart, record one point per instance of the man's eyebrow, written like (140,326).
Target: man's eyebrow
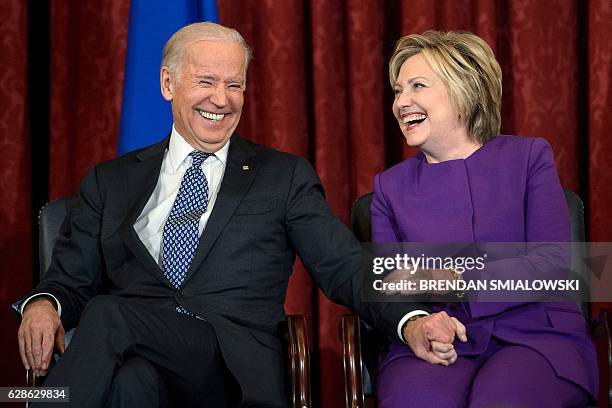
(205,76)
(237,79)
(211,77)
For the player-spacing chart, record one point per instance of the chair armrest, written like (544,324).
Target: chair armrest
(353,376)
(30,378)
(600,328)
(299,361)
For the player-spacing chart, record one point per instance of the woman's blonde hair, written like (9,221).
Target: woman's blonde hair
(469,70)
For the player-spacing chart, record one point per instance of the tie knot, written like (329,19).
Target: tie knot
(198,157)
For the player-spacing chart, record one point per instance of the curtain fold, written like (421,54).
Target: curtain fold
(88,42)
(15,181)
(599,169)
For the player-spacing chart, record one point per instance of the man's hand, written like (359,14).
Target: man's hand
(40,330)
(431,337)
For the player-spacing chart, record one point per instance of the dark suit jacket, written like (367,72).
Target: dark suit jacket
(264,214)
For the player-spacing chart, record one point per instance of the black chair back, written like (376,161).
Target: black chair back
(361,219)
(50,220)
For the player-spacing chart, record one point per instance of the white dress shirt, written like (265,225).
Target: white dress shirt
(150,224)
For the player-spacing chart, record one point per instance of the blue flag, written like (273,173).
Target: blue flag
(146,117)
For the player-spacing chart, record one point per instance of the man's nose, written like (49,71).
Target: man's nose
(219,96)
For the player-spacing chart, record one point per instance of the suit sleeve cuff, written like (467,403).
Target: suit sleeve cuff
(404,319)
(58,306)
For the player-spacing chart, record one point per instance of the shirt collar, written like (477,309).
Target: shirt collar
(179,149)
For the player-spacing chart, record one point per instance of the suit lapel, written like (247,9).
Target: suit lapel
(239,174)
(142,178)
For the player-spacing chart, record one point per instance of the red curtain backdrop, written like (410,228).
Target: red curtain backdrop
(15,177)
(317,87)
(88,42)
(599,119)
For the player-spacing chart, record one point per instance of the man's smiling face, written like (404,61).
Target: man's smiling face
(207,93)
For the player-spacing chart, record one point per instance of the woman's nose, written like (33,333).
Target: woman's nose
(404,98)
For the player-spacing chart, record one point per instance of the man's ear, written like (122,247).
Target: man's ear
(167,83)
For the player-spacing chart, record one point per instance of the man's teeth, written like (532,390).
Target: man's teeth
(413,118)
(212,116)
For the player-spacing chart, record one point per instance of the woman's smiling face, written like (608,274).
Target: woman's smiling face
(424,110)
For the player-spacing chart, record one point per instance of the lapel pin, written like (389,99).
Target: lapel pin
(245,167)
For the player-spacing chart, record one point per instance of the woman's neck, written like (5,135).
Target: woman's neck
(458,151)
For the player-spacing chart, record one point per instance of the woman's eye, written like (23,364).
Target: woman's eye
(418,85)
(396,91)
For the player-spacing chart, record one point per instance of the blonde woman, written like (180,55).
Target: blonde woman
(468,184)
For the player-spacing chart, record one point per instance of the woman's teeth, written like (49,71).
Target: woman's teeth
(414,118)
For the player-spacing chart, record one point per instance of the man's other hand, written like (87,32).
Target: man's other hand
(431,337)
(40,330)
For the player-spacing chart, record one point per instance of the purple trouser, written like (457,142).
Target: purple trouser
(506,375)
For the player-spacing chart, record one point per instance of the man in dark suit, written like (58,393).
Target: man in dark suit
(194,239)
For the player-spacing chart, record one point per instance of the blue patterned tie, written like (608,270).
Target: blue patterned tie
(180,238)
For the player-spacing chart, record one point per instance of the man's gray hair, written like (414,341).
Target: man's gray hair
(175,47)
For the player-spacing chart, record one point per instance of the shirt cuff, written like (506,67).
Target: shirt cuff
(58,306)
(405,319)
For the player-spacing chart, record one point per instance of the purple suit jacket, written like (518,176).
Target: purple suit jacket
(507,191)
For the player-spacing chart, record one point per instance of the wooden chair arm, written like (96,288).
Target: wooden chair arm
(353,376)
(299,361)
(31,381)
